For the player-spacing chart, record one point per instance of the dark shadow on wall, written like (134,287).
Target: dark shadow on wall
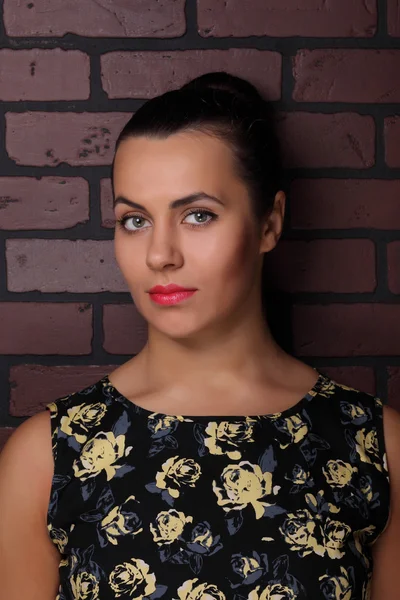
(277,309)
(277,303)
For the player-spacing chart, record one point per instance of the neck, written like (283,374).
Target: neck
(246,351)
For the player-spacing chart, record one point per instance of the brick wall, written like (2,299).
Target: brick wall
(69,79)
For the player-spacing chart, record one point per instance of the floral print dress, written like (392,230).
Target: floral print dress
(282,506)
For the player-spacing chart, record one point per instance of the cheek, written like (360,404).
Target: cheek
(129,261)
(229,257)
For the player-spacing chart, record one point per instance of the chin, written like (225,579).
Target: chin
(181,327)
(181,331)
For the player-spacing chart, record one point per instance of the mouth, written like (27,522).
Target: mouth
(170,294)
(169,289)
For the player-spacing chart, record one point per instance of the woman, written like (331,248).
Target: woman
(212,465)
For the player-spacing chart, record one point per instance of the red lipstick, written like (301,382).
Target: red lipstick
(170,294)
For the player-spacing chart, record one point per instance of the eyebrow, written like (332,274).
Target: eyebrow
(174,204)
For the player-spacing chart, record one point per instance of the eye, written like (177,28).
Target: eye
(135,225)
(201,217)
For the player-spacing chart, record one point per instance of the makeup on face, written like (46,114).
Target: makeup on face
(170,294)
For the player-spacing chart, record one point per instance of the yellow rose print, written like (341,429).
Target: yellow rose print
(337,587)
(276,591)
(133,580)
(318,503)
(225,437)
(80,418)
(366,488)
(202,536)
(168,526)
(53,408)
(345,387)
(203,541)
(244,484)
(295,427)
(327,389)
(360,539)
(59,537)
(300,478)
(192,590)
(121,521)
(353,412)
(249,568)
(84,586)
(100,453)
(163,424)
(367,589)
(335,536)
(299,531)
(248,565)
(338,473)
(177,472)
(367,447)
(280,507)
(385,466)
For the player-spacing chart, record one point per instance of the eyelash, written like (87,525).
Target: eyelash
(121,222)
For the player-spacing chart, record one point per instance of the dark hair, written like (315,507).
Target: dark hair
(230,108)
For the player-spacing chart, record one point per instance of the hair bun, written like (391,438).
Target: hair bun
(220,80)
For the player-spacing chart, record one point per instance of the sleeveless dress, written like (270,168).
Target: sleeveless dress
(281,506)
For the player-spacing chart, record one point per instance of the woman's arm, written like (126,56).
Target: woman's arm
(386,550)
(28,558)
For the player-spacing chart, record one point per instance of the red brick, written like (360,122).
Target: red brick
(327,140)
(147,74)
(95,19)
(106,199)
(347,330)
(394,387)
(125,330)
(282,18)
(359,378)
(328,76)
(62,266)
(345,204)
(34,386)
(5,433)
(45,328)
(393,17)
(44,75)
(46,203)
(48,139)
(392,136)
(323,266)
(393,251)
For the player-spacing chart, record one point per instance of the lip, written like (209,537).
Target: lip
(171,288)
(170,294)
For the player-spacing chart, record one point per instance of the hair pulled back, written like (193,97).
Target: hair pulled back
(230,108)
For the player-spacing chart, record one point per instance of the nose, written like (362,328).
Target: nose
(163,251)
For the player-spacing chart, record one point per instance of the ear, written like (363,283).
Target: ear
(273,224)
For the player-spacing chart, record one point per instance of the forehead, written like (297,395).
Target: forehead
(173,166)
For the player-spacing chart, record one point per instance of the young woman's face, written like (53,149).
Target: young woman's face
(212,244)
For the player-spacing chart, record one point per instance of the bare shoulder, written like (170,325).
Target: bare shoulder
(385,580)
(28,447)
(29,565)
(27,467)
(391,426)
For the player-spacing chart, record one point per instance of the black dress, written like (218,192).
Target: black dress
(271,507)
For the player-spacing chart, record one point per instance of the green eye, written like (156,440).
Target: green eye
(136,219)
(202,217)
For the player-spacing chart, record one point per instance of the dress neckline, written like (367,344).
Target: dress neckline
(322,381)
